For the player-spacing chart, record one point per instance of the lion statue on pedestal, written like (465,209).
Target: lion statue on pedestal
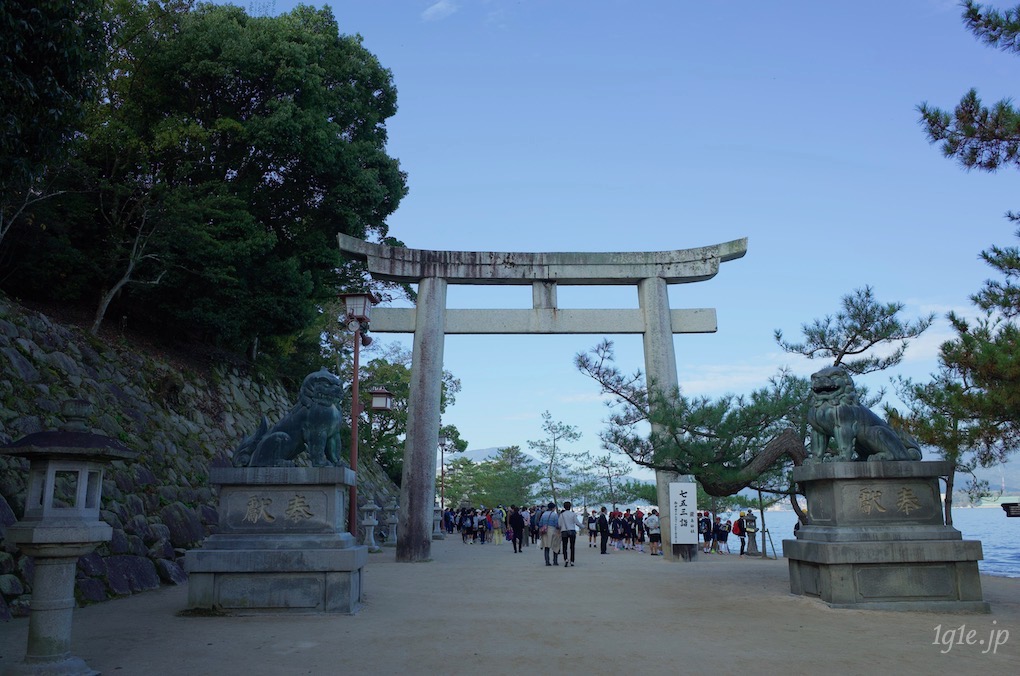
(313,425)
(857,433)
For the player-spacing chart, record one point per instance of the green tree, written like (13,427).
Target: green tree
(639,491)
(973,399)
(462,483)
(607,473)
(934,418)
(861,325)
(509,478)
(50,51)
(224,155)
(978,136)
(556,460)
(728,443)
(383,433)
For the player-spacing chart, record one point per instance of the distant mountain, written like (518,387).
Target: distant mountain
(481,454)
(1005,478)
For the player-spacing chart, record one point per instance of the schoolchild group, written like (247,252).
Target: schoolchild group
(715,534)
(555,530)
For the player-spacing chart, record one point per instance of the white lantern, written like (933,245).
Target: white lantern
(382,399)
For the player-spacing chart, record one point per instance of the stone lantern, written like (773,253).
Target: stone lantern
(60,524)
(437,523)
(369,522)
(751,528)
(391,523)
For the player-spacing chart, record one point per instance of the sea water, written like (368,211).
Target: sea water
(999,536)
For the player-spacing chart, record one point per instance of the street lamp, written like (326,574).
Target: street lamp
(443,441)
(357,309)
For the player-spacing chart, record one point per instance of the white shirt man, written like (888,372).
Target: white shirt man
(569,521)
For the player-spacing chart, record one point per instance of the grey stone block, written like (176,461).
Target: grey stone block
(185,527)
(876,540)
(133,573)
(170,571)
(281,547)
(90,590)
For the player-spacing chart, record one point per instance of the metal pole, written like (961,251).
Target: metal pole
(352,509)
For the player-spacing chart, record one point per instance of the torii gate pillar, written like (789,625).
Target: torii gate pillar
(661,374)
(430,321)
(418,483)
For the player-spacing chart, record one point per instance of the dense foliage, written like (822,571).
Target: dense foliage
(50,51)
(185,168)
(214,167)
(508,479)
(727,444)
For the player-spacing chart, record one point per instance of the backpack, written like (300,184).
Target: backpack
(737,530)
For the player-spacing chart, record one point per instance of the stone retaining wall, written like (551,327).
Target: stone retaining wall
(180,421)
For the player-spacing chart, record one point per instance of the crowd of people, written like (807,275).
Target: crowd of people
(715,533)
(555,530)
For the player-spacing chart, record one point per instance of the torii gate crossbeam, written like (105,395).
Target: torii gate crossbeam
(430,321)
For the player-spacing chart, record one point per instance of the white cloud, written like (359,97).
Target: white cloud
(583,397)
(439,10)
(718,379)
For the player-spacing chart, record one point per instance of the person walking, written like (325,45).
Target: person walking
(526,533)
(653,528)
(549,532)
(467,526)
(516,523)
(616,529)
(593,527)
(568,523)
(705,528)
(498,521)
(639,529)
(481,526)
(717,535)
(740,530)
(603,529)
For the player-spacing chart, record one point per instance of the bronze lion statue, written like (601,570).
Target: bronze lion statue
(313,425)
(857,433)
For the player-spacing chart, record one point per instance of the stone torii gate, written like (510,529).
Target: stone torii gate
(430,321)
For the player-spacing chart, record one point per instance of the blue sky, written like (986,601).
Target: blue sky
(651,125)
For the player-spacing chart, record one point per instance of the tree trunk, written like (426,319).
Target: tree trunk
(107,298)
(950,480)
(787,443)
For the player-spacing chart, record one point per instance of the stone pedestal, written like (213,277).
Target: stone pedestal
(282,544)
(876,539)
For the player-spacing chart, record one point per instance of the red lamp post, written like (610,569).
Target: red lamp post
(443,441)
(358,306)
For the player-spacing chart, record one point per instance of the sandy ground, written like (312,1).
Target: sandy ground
(486,610)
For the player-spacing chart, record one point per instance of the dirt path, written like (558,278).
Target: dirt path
(485,610)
